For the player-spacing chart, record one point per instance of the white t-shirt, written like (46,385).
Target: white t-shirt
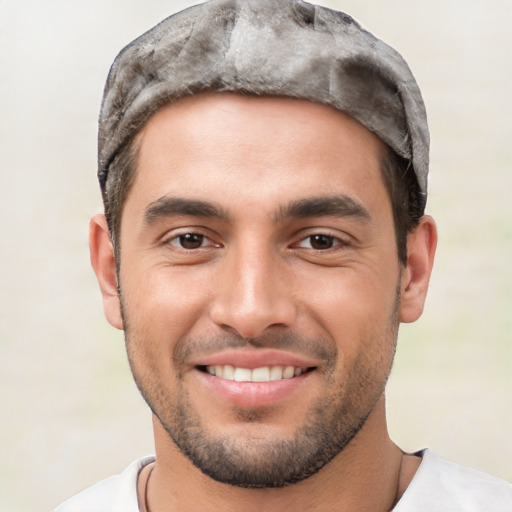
(437,486)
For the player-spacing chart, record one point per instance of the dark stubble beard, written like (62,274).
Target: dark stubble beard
(262,462)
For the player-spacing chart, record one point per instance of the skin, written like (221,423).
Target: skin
(258,283)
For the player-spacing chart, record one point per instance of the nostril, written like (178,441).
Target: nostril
(251,305)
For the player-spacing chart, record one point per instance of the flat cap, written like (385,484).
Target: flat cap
(265,47)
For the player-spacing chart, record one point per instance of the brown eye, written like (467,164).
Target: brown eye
(189,241)
(321,242)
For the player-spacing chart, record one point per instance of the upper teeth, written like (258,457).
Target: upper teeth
(263,374)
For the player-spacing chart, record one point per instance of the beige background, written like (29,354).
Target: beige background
(69,413)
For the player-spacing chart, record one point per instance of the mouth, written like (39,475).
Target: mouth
(254,378)
(262,374)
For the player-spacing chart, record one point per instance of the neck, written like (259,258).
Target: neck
(366,476)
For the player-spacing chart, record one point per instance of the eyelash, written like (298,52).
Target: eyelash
(332,240)
(180,240)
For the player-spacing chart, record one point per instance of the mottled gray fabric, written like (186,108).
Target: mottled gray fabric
(265,47)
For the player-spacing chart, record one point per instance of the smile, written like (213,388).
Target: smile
(262,374)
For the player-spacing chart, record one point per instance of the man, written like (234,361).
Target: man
(264,166)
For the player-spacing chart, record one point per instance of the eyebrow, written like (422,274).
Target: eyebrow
(329,206)
(168,206)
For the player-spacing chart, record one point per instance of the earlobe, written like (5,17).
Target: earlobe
(421,247)
(104,265)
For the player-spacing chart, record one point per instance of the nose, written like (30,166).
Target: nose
(254,295)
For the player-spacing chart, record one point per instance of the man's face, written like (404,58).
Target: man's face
(257,243)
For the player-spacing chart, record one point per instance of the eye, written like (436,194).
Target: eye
(191,241)
(319,242)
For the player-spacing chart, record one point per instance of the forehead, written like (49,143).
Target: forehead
(264,146)
(203,111)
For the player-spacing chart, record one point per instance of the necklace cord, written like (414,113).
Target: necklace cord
(395,500)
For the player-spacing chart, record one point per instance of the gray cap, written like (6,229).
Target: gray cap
(265,47)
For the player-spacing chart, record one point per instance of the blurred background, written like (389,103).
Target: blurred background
(69,412)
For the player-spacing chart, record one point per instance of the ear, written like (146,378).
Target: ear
(104,265)
(421,248)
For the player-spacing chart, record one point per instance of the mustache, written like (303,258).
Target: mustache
(315,347)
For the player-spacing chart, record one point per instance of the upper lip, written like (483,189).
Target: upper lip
(256,358)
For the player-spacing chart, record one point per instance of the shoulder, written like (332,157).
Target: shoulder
(114,494)
(440,485)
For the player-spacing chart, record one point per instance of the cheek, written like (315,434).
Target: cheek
(351,299)
(164,303)
(358,313)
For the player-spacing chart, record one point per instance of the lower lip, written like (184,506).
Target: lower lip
(253,394)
